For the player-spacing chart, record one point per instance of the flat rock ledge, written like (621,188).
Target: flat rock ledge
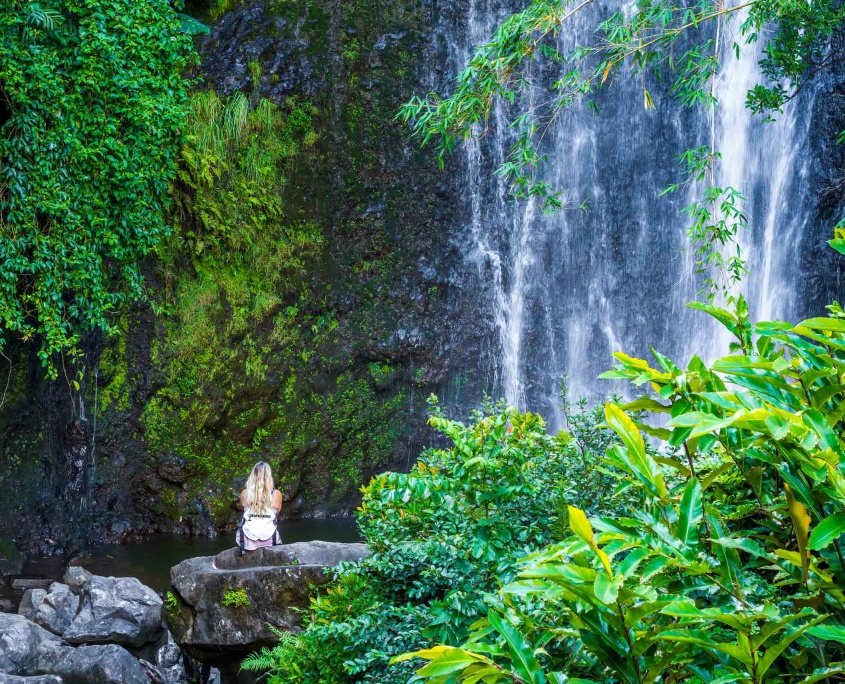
(219,605)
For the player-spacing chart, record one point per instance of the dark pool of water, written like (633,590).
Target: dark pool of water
(150,560)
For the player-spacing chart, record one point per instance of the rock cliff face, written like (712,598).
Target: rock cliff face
(159,436)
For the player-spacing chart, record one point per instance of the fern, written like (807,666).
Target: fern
(281,655)
(39,17)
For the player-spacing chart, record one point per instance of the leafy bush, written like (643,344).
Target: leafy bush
(92,103)
(730,567)
(442,536)
(235,598)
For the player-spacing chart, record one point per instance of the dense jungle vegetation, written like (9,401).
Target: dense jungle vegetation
(710,553)
(693,534)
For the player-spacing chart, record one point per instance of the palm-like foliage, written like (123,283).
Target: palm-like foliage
(731,568)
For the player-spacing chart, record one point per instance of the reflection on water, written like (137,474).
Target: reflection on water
(150,560)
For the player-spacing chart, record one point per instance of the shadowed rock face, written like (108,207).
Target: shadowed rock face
(29,650)
(226,601)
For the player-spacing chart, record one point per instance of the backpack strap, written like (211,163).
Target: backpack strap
(239,537)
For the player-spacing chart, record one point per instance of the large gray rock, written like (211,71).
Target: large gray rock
(32,598)
(102,664)
(116,610)
(38,679)
(53,610)
(171,663)
(76,578)
(20,643)
(30,650)
(211,615)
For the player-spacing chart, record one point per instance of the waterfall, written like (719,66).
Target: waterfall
(562,292)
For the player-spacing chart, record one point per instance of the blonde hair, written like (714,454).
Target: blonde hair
(259,488)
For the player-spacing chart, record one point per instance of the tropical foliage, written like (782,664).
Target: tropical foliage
(730,567)
(92,104)
(443,537)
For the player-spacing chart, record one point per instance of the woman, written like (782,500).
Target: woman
(261,503)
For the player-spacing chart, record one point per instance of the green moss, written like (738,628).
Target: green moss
(256,359)
(113,394)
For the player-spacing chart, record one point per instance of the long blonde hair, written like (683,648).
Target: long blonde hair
(259,488)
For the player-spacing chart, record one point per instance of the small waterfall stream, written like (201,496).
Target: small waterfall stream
(564,291)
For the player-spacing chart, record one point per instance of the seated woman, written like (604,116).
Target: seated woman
(261,503)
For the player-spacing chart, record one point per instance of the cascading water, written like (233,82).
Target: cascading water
(564,291)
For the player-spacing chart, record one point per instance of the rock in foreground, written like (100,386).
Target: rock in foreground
(225,602)
(116,610)
(29,650)
(53,610)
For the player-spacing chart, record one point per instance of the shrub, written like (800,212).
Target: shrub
(442,536)
(730,567)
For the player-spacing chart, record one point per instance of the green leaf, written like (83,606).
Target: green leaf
(579,524)
(643,465)
(827,531)
(824,672)
(690,513)
(801,526)
(524,662)
(606,589)
(828,633)
(837,244)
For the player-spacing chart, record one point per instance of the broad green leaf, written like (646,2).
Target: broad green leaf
(828,633)
(773,652)
(827,531)
(583,530)
(801,526)
(645,404)
(824,673)
(814,419)
(448,662)
(522,656)
(710,478)
(690,513)
(485,674)
(836,325)
(432,654)
(644,466)
(606,589)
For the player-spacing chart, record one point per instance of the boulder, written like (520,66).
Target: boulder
(20,643)
(76,578)
(224,603)
(32,598)
(116,610)
(101,664)
(27,649)
(38,679)
(171,663)
(53,610)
